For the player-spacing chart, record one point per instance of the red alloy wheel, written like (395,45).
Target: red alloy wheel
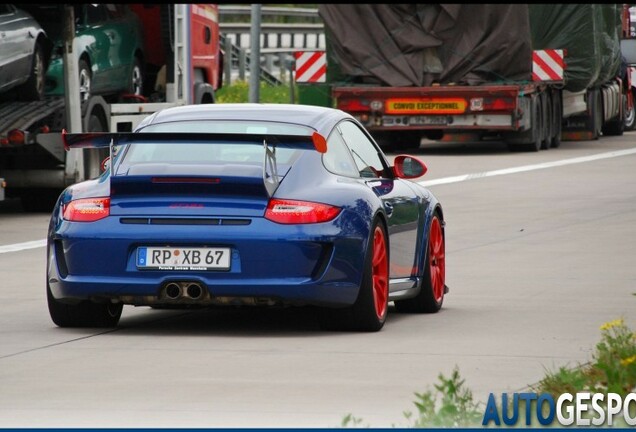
(437,261)
(380,273)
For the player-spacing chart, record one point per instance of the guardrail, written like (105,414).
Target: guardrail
(278,40)
(230,10)
(276,35)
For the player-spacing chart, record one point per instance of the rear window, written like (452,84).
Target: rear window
(213,153)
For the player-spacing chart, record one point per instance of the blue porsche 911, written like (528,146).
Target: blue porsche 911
(246,204)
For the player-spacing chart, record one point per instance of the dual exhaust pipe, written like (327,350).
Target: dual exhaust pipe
(184,290)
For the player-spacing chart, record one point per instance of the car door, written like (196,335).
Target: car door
(122,38)
(97,38)
(401,204)
(15,47)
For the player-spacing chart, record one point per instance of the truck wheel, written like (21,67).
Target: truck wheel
(546,121)
(616,126)
(557,112)
(39,200)
(33,89)
(85,77)
(532,139)
(630,115)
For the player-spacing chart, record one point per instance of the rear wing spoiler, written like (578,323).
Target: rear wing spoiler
(269,141)
(106,139)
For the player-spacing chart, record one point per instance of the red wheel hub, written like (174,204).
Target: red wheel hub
(380,273)
(437,262)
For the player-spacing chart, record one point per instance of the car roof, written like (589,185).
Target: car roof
(322,119)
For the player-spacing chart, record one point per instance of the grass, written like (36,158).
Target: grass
(612,370)
(238,92)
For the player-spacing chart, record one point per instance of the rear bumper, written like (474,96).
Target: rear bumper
(319,264)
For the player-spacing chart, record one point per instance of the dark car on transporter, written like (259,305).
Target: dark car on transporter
(25,50)
(246,204)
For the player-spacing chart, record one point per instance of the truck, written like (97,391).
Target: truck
(182,65)
(531,75)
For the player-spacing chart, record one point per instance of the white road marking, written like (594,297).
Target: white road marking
(582,159)
(444,180)
(16,247)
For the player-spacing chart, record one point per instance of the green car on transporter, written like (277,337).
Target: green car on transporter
(109,47)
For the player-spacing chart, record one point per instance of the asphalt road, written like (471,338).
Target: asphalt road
(538,257)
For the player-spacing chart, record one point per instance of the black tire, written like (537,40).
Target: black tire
(39,200)
(84,313)
(557,111)
(433,286)
(630,115)
(85,78)
(597,115)
(397,141)
(532,139)
(616,126)
(136,85)
(33,88)
(370,309)
(546,121)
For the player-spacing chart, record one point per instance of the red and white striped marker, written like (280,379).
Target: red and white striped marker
(311,66)
(547,65)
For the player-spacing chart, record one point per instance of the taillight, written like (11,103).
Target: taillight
(353,105)
(492,104)
(87,209)
(299,212)
(16,136)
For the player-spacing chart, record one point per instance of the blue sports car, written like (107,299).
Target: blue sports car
(246,204)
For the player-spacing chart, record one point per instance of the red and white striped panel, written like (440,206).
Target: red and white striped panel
(311,66)
(547,65)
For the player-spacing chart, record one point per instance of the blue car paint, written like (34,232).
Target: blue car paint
(326,259)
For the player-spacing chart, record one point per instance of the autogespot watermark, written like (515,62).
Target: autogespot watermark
(579,409)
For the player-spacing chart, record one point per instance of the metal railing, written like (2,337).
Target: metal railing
(278,40)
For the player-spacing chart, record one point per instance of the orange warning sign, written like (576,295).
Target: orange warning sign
(425,106)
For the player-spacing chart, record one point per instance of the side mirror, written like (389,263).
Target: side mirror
(408,167)
(105,164)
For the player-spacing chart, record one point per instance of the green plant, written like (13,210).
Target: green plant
(450,405)
(238,92)
(612,369)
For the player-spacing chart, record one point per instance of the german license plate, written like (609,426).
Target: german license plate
(178,258)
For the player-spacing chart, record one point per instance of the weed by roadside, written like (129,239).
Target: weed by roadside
(611,370)
(238,92)
(449,404)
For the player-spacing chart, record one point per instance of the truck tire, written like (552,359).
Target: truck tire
(630,114)
(557,113)
(596,114)
(532,139)
(39,200)
(397,141)
(616,126)
(33,88)
(547,121)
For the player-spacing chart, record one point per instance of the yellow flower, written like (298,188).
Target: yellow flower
(628,360)
(615,323)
